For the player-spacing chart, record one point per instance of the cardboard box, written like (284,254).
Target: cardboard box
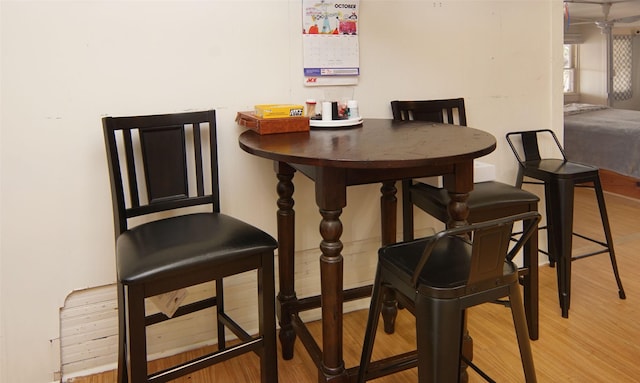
(272,125)
(279,110)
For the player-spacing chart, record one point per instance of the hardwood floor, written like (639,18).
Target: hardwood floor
(620,184)
(599,342)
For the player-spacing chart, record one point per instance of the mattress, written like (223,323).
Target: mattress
(603,137)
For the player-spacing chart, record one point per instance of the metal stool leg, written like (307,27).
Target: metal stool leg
(552,251)
(607,232)
(439,326)
(520,323)
(561,232)
(372,325)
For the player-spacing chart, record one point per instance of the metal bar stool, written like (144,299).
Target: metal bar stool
(560,177)
(437,278)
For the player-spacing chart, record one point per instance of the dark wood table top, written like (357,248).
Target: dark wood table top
(378,143)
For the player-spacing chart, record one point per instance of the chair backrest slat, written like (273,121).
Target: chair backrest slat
(489,251)
(430,110)
(530,146)
(165,169)
(198,154)
(131,170)
(165,164)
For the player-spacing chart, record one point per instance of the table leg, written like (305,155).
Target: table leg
(331,197)
(388,208)
(388,213)
(458,186)
(331,280)
(286,257)
(459,211)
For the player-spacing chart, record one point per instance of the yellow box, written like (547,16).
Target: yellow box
(279,110)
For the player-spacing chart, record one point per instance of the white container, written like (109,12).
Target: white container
(352,109)
(482,172)
(326,111)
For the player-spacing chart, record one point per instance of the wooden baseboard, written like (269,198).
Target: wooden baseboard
(619,184)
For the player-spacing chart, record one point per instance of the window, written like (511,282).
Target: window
(570,54)
(622,64)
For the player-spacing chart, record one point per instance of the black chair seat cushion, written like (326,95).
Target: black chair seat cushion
(180,244)
(447,268)
(448,265)
(485,195)
(558,168)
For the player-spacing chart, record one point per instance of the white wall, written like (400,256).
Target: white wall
(67,64)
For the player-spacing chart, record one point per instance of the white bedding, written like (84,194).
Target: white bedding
(575,108)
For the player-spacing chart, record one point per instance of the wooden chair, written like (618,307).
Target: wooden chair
(157,165)
(488,200)
(437,278)
(560,177)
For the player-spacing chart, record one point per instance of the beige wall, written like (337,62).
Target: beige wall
(67,64)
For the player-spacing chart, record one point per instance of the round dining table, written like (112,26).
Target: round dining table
(377,151)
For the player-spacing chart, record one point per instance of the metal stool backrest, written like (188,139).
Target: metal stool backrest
(489,243)
(530,150)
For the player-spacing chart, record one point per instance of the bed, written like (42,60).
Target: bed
(604,137)
(609,139)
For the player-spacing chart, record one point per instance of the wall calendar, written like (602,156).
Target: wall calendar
(330,42)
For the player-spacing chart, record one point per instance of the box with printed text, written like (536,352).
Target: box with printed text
(279,110)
